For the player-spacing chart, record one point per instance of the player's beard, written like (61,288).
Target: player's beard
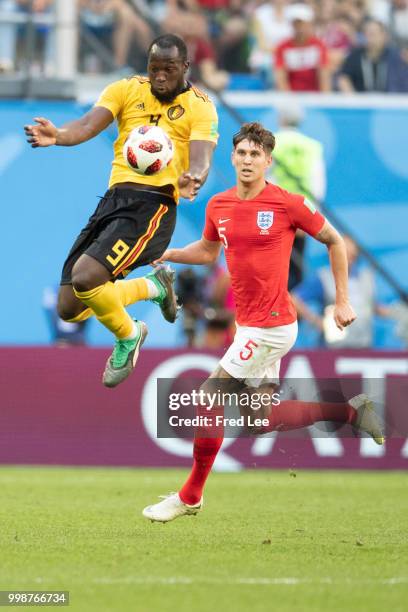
(169,96)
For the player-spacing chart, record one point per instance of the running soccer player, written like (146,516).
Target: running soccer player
(135,219)
(256,223)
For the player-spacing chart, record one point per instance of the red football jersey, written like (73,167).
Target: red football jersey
(258,236)
(301,62)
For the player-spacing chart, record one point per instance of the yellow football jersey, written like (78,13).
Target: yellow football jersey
(190,116)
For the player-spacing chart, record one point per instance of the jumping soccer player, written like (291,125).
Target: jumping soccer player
(256,223)
(135,220)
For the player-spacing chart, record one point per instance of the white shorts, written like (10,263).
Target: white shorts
(256,353)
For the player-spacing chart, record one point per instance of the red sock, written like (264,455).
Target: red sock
(205,452)
(207,443)
(295,414)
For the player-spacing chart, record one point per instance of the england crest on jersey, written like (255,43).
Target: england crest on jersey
(265,220)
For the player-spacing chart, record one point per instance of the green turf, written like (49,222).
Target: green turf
(329,541)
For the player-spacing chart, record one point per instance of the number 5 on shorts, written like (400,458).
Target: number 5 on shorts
(248,346)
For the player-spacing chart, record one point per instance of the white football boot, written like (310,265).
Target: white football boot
(170,508)
(367,419)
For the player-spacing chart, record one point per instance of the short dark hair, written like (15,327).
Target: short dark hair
(256,133)
(167,41)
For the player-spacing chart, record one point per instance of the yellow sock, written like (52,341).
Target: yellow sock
(107,306)
(132,290)
(82,316)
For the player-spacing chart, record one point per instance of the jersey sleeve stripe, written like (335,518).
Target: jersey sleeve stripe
(200,94)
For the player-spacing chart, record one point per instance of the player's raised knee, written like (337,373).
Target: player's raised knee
(66,312)
(88,273)
(83,280)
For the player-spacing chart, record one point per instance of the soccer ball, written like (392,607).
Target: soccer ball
(148,150)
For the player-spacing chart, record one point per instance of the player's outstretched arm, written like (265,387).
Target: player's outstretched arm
(46,134)
(343,314)
(197,253)
(201,152)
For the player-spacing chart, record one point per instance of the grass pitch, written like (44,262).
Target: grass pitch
(329,541)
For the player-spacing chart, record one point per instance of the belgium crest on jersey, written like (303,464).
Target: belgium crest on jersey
(265,219)
(175,112)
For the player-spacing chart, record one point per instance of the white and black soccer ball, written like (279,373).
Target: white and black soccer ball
(148,150)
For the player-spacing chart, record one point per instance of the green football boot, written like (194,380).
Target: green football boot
(163,277)
(124,356)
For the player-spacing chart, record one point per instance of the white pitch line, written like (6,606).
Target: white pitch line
(289,581)
(186,580)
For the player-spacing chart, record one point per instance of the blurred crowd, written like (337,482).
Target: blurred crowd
(316,45)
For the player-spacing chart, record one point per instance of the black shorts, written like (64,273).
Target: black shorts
(129,228)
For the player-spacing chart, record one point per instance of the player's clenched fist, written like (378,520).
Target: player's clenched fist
(189,185)
(343,315)
(42,135)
